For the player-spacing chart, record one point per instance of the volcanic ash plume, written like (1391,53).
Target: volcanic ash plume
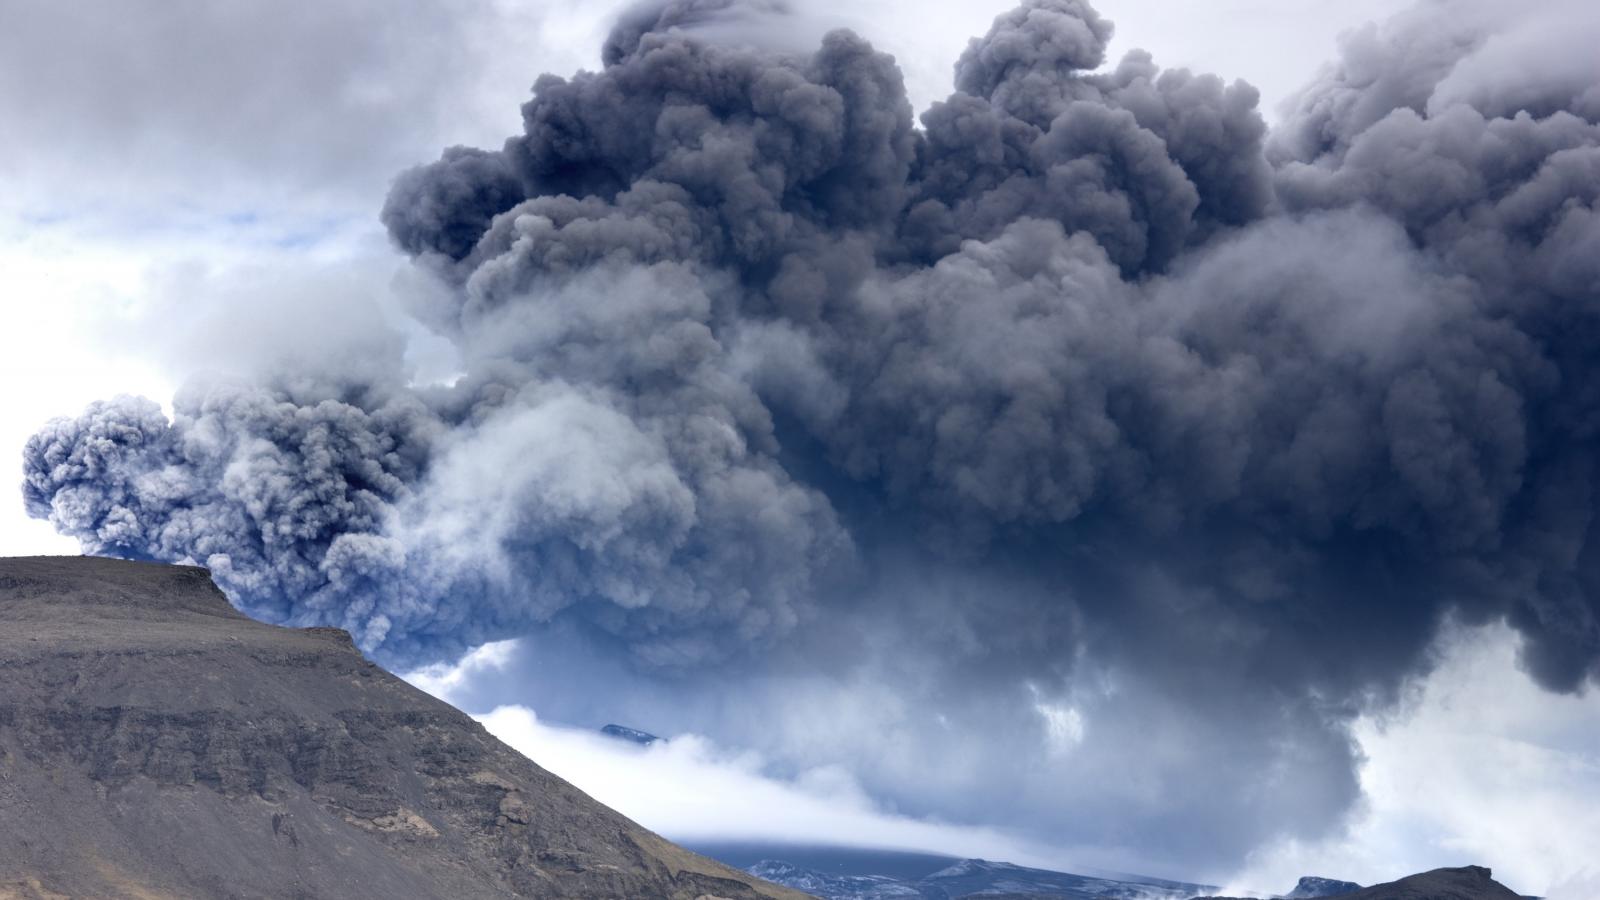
(750,360)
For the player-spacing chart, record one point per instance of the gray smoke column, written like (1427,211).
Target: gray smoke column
(1089,373)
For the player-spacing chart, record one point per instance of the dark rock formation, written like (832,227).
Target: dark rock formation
(155,743)
(1465,883)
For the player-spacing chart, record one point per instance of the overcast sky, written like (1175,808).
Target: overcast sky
(193,190)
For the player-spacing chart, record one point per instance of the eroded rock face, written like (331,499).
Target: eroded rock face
(156,743)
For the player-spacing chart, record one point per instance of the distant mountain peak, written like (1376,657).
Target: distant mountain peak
(1460,883)
(835,887)
(977,878)
(1316,886)
(969,867)
(632,735)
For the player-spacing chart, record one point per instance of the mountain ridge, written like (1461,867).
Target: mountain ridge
(1458,883)
(983,878)
(979,879)
(156,743)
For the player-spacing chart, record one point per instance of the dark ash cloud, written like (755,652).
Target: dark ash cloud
(1087,398)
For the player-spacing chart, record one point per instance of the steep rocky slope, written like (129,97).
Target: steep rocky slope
(154,743)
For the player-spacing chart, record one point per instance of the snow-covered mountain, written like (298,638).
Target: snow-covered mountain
(975,878)
(835,887)
(632,735)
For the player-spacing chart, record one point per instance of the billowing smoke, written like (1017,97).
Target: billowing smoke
(1087,388)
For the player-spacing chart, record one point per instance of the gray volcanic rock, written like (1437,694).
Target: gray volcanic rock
(155,743)
(1464,883)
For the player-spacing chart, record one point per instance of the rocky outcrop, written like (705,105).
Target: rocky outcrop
(155,743)
(1464,883)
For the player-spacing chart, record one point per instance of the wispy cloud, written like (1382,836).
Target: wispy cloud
(690,789)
